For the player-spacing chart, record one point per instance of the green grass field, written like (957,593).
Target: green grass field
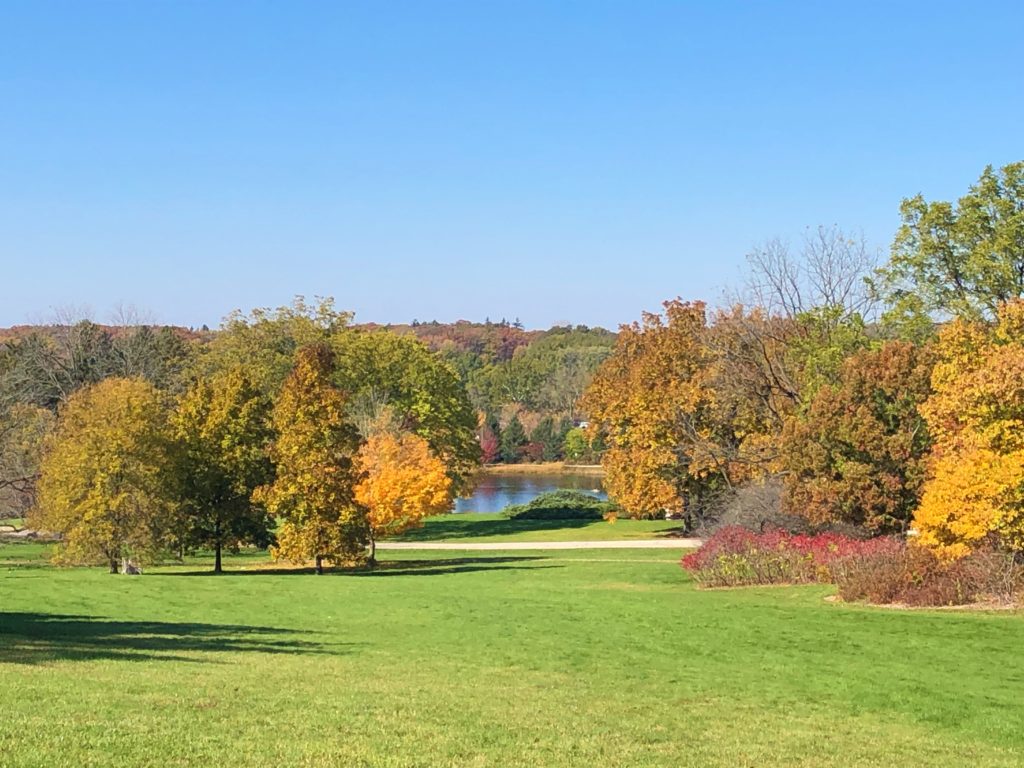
(580,658)
(491,527)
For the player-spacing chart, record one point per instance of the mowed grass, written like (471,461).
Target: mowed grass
(580,658)
(495,527)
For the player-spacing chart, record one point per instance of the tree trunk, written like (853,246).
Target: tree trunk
(113,565)
(372,559)
(319,565)
(217,547)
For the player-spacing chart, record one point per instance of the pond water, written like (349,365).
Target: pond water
(496,491)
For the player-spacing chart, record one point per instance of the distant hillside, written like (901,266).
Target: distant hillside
(493,342)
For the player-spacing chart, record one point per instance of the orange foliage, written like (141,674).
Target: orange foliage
(647,399)
(403,482)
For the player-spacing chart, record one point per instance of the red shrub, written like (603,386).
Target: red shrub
(735,556)
(880,570)
(914,576)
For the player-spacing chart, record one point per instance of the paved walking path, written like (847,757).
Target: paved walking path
(507,545)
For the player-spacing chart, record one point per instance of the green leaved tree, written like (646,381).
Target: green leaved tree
(222,427)
(959,259)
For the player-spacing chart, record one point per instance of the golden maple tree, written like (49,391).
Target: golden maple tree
(975,488)
(403,482)
(313,493)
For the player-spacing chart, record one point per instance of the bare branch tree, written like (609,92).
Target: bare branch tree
(831,270)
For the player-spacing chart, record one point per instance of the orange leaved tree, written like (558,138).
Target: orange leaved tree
(403,482)
(857,452)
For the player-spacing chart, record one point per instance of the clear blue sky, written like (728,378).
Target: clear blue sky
(555,161)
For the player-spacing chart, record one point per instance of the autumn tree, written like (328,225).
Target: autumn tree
(857,453)
(490,439)
(104,476)
(313,493)
(975,489)
(376,369)
(382,370)
(960,259)
(830,269)
(222,426)
(758,384)
(403,482)
(652,401)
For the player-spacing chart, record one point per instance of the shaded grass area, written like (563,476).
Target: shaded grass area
(484,526)
(576,658)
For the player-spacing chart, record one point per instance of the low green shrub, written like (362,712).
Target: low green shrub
(560,505)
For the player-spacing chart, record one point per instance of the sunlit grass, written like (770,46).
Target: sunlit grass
(493,526)
(584,658)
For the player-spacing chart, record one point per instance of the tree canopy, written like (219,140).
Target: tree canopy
(105,474)
(313,493)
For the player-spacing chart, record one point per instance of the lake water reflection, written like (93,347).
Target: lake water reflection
(496,491)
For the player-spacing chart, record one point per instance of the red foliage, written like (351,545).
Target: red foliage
(916,576)
(533,452)
(735,556)
(490,447)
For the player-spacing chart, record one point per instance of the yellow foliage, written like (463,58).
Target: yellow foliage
(974,492)
(403,482)
(313,493)
(976,416)
(104,475)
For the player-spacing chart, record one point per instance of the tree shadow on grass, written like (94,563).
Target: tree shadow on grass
(433,567)
(34,638)
(454,527)
(677,532)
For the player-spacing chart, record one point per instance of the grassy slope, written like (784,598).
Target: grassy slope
(483,526)
(549,659)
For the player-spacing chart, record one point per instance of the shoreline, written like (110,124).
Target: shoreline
(543,468)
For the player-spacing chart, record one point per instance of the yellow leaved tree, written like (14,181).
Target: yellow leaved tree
(313,493)
(104,478)
(403,482)
(975,489)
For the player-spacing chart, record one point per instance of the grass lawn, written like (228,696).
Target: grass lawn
(493,526)
(580,658)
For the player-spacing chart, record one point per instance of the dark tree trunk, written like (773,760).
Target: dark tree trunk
(218,546)
(113,565)
(372,559)
(319,565)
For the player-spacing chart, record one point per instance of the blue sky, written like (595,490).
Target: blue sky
(555,161)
